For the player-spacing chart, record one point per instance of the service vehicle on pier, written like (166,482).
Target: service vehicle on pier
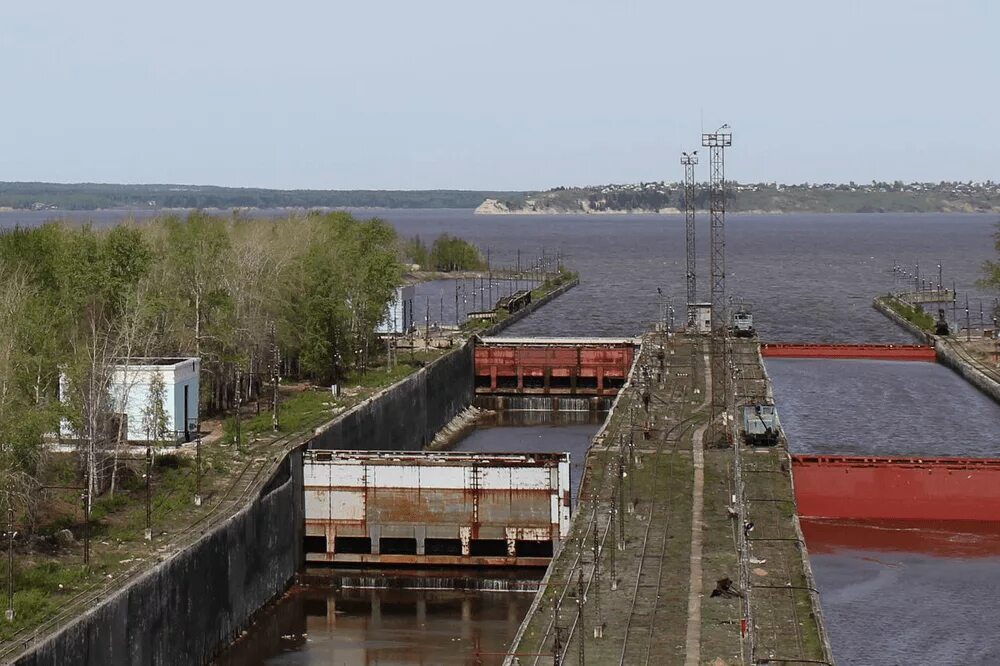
(761,426)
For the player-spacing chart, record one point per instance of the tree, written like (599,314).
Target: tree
(991,269)
(454,254)
(155,421)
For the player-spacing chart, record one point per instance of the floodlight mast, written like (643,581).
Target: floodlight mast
(689,160)
(717,142)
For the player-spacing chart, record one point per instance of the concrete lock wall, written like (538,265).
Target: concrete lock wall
(191,605)
(407,415)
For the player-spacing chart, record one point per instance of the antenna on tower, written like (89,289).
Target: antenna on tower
(689,161)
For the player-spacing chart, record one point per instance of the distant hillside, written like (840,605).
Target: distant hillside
(760,197)
(92,196)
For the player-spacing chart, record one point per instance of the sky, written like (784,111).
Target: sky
(495,95)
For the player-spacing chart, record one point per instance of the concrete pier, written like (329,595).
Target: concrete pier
(657,531)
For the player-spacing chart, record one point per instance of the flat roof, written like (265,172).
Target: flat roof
(558,341)
(158,361)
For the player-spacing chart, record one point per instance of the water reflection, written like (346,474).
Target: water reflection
(908,593)
(364,626)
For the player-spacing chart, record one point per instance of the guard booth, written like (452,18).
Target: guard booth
(700,318)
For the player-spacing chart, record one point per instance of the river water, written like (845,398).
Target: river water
(898,593)
(883,408)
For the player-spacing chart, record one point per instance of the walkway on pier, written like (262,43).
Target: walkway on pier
(630,586)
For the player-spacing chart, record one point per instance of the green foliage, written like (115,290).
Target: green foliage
(154,415)
(912,313)
(415,251)
(455,254)
(991,269)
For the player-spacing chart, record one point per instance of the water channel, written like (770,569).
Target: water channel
(330,623)
(897,593)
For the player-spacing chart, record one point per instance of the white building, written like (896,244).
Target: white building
(129,396)
(399,317)
(701,313)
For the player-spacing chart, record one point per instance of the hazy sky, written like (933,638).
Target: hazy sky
(506,95)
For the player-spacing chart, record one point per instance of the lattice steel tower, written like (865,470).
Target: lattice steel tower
(717,142)
(689,161)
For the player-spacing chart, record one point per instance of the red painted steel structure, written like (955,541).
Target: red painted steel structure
(870,352)
(897,488)
(553,366)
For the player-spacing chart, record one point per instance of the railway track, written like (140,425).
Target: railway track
(659,540)
(655,540)
(249,479)
(974,362)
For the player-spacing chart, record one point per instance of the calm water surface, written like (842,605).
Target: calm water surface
(367,627)
(908,595)
(355,627)
(905,593)
(882,408)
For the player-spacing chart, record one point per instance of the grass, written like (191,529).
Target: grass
(911,313)
(301,408)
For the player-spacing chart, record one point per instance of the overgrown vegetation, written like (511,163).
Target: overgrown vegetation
(450,253)
(308,290)
(911,313)
(991,271)
(297,298)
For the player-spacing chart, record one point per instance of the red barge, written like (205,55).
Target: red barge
(897,488)
(837,351)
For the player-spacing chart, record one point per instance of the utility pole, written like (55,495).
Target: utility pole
(968,324)
(954,305)
(149,504)
(10,559)
(86,517)
(689,161)
(717,142)
(239,403)
(456,303)
(579,614)
(275,372)
(597,571)
(197,467)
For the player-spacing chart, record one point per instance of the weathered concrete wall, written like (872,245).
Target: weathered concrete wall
(188,607)
(945,354)
(407,415)
(499,327)
(911,328)
(949,357)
